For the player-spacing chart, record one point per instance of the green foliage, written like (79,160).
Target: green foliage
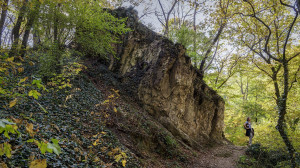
(68,114)
(34,94)
(84,24)
(47,147)
(194,42)
(96,29)
(7,127)
(8,147)
(5,149)
(258,156)
(168,146)
(171,142)
(254,110)
(250,95)
(48,64)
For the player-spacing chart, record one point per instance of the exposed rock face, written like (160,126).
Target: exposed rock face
(168,86)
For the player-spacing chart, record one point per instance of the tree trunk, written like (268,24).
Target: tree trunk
(32,16)
(281,103)
(210,48)
(3,17)
(195,30)
(36,40)
(56,42)
(167,16)
(16,30)
(298,6)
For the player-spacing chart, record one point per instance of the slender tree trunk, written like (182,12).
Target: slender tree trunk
(32,16)
(167,16)
(3,17)
(36,40)
(281,103)
(246,91)
(16,30)
(208,51)
(195,30)
(298,6)
(56,42)
(55,31)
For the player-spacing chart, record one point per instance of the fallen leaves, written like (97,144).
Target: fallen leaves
(5,148)
(39,163)
(34,93)
(13,103)
(23,80)
(29,129)
(95,143)
(3,165)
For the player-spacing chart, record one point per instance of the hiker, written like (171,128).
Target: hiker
(249,130)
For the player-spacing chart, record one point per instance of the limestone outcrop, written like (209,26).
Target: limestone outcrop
(167,85)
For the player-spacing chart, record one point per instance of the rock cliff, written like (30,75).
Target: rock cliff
(167,85)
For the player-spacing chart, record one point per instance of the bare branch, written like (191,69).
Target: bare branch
(261,69)
(290,6)
(162,9)
(211,45)
(269,30)
(231,73)
(217,46)
(295,78)
(293,57)
(288,35)
(156,14)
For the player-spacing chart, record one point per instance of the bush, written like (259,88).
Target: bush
(259,156)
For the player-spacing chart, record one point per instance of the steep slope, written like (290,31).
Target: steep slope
(167,85)
(149,104)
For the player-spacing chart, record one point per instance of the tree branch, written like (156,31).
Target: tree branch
(213,56)
(269,35)
(261,69)
(162,9)
(290,6)
(293,57)
(288,35)
(295,78)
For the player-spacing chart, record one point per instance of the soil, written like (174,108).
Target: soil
(219,157)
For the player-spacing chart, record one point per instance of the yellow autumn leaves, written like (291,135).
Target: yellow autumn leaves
(39,163)
(118,155)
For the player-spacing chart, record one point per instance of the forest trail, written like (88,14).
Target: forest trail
(219,157)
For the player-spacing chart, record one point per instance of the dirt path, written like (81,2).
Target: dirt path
(219,157)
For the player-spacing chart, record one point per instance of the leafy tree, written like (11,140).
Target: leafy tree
(16,29)
(4,6)
(31,19)
(267,30)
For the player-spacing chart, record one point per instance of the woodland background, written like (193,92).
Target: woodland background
(248,51)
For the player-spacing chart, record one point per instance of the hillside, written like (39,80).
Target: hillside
(148,108)
(87,83)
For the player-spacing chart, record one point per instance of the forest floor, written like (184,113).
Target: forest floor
(225,156)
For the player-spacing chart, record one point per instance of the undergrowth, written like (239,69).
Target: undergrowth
(64,111)
(258,156)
